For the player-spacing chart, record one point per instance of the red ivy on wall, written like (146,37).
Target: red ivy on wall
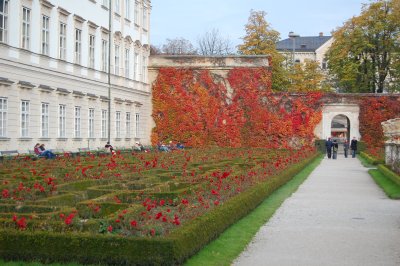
(202,109)
(373,111)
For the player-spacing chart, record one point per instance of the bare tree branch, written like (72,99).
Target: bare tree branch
(212,43)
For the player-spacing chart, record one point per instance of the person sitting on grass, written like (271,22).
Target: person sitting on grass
(42,152)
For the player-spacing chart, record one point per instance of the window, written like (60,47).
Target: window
(136,67)
(118,124)
(4,21)
(137,128)
(128,9)
(91,122)
(137,13)
(144,22)
(3,117)
(128,125)
(45,120)
(63,41)
(77,122)
(116,6)
(127,54)
(61,121)
(24,119)
(116,60)
(91,50)
(144,69)
(78,46)
(105,3)
(104,123)
(45,35)
(104,55)
(26,24)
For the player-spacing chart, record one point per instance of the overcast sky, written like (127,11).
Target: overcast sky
(190,19)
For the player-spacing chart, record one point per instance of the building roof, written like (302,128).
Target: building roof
(302,44)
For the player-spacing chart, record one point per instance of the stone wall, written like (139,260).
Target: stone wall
(391,129)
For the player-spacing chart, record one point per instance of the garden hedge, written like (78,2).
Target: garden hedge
(110,249)
(389,174)
(370,159)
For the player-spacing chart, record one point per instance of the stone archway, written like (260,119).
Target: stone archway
(330,111)
(340,128)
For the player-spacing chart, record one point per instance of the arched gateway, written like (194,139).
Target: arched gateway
(339,120)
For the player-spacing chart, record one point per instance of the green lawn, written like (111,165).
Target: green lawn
(391,189)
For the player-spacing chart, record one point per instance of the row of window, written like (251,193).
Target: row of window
(127,9)
(62,118)
(138,73)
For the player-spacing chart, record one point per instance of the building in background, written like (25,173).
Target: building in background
(54,73)
(302,48)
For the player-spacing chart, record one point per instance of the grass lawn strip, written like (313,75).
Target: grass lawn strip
(233,241)
(391,189)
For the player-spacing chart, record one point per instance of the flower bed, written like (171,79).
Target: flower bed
(140,208)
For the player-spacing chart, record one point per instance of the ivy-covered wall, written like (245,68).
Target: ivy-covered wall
(196,108)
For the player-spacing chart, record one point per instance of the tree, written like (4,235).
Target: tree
(261,39)
(154,50)
(365,54)
(178,46)
(212,43)
(307,77)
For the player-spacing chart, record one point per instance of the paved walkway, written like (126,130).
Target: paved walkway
(338,216)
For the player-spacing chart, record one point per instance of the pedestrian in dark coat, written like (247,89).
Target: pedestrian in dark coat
(335,148)
(328,145)
(353,147)
(346,148)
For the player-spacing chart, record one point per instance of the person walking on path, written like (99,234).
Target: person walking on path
(328,145)
(346,148)
(353,147)
(335,148)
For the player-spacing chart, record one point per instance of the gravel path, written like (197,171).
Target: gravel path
(338,216)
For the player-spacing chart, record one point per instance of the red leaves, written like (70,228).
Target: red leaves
(196,108)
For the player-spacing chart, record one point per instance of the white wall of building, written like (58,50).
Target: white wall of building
(47,78)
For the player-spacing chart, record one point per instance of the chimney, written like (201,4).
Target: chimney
(321,34)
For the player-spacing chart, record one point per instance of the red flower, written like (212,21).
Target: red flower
(152,232)
(5,193)
(22,223)
(158,215)
(216,202)
(133,223)
(110,228)
(185,201)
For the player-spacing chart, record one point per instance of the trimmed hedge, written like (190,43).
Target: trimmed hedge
(389,174)
(370,159)
(110,249)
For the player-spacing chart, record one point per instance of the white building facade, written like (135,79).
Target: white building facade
(54,79)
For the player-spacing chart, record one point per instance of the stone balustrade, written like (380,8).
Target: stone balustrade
(391,129)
